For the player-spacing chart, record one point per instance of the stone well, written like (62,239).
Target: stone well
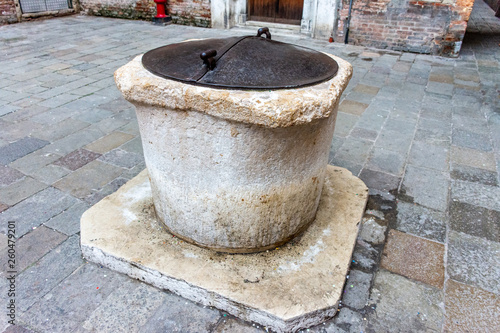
(234,170)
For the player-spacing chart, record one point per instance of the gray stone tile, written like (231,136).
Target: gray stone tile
(470,174)
(468,139)
(35,210)
(362,133)
(42,277)
(133,146)
(74,299)
(344,123)
(68,222)
(429,156)
(9,175)
(350,320)
(394,140)
(427,187)
(109,142)
(88,179)
(365,256)
(59,100)
(127,309)
(387,161)
(476,194)
(474,261)
(34,245)
(354,150)
(179,315)
(109,188)
(20,148)
(25,113)
(473,158)
(440,88)
(59,130)
(122,158)
(76,159)
(20,190)
(49,174)
(402,305)
(421,221)
(357,289)
(74,141)
(379,180)
(475,221)
(31,163)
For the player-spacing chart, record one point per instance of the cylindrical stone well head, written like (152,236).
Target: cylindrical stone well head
(234,170)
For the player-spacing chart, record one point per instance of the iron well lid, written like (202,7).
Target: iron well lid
(247,63)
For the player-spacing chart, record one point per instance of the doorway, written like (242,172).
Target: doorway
(277,11)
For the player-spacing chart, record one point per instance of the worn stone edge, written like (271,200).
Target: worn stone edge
(275,108)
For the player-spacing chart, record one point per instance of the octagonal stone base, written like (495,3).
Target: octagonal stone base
(294,286)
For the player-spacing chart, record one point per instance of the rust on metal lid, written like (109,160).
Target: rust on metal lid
(249,62)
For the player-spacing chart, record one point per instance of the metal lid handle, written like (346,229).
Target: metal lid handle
(264,30)
(208,58)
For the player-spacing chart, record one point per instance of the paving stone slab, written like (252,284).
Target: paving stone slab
(275,270)
(421,221)
(357,289)
(122,158)
(126,309)
(230,325)
(176,314)
(20,148)
(76,159)
(468,139)
(474,261)
(385,160)
(31,163)
(74,300)
(414,257)
(429,156)
(88,179)
(40,278)
(475,221)
(109,142)
(470,174)
(9,175)
(51,173)
(470,309)
(35,210)
(379,180)
(402,305)
(476,194)
(34,245)
(427,187)
(473,158)
(20,190)
(68,222)
(59,130)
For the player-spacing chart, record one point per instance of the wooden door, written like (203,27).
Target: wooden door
(279,11)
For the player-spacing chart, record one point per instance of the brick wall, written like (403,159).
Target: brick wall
(423,26)
(7,12)
(189,12)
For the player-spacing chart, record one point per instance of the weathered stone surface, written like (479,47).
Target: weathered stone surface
(230,325)
(429,156)
(372,232)
(414,257)
(18,149)
(427,187)
(35,210)
(34,246)
(179,315)
(9,175)
(68,222)
(122,158)
(20,190)
(112,315)
(404,306)
(249,188)
(474,261)
(471,174)
(77,159)
(475,221)
(357,289)
(476,194)
(379,180)
(421,221)
(120,232)
(473,158)
(470,309)
(109,142)
(41,278)
(31,163)
(278,108)
(74,300)
(88,178)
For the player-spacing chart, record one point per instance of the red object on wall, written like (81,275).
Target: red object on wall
(161,13)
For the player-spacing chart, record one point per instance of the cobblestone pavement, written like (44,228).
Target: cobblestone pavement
(423,132)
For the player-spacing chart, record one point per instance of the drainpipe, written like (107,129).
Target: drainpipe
(346,40)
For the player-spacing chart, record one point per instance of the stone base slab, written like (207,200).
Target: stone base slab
(295,286)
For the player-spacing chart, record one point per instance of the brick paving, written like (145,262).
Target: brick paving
(423,132)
